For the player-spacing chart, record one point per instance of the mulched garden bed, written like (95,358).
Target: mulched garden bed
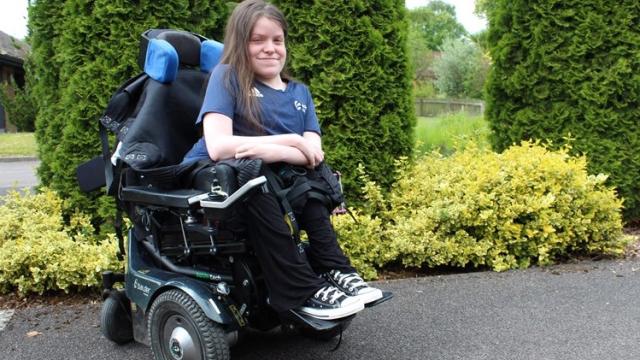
(13,301)
(391,272)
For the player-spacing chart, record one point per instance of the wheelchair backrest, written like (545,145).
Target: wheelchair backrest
(154,113)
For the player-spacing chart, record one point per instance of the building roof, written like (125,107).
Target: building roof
(12,48)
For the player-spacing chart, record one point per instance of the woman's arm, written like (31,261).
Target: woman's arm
(222,144)
(271,153)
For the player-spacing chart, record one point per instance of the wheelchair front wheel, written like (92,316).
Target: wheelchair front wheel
(178,329)
(115,318)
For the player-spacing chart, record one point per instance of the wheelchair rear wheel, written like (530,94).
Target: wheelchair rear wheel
(178,329)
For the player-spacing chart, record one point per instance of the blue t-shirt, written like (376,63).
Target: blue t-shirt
(288,111)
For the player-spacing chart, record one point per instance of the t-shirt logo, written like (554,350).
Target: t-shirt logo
(255,92)
(300,106)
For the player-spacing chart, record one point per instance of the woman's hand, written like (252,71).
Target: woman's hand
(311,147)
(312,152)
(316,152)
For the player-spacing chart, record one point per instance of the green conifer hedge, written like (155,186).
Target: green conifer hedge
(353,56)
(82,51)
(570,69)
(42,73)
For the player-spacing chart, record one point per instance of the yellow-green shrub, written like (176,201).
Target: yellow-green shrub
(363,242)
(525,206)
(40,252)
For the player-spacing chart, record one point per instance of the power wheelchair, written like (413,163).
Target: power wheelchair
(191,282)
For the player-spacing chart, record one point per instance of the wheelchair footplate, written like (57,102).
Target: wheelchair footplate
(315,324)
(386,295)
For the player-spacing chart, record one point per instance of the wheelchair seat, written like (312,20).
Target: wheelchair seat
(153,117)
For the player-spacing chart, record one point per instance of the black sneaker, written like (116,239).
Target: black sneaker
(353,285)
(330,303)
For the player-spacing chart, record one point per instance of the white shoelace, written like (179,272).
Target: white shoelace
(350,281)
(325,294)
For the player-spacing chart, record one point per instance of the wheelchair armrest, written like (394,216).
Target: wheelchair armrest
(182,198)
(241,193)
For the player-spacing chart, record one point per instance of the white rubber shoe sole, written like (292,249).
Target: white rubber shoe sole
(370,294)
(349,307)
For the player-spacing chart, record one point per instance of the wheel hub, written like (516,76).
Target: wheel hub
(181,346)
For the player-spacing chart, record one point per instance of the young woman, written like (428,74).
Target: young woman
(252,110)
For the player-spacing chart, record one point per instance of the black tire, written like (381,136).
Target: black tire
(178,329)
(115,318)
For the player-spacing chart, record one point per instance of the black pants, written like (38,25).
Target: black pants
(292,275)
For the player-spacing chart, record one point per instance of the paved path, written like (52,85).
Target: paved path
(17,175)
(587,310)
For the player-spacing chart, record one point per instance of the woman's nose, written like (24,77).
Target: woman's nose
(268,47)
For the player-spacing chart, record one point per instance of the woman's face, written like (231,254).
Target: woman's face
(267,50)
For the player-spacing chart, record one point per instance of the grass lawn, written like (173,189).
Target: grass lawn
(19,144)
(442,133)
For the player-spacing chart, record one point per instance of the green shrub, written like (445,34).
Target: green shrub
(19,106)
(362,241)
(570,67)
(39,252)
(526,206)
(424,90)
(353,55)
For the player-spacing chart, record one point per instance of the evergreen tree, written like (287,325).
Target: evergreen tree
(570,69)
(353,55)
(42,74)
(82,51)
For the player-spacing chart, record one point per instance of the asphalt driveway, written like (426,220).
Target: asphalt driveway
(17,174)
(585,310)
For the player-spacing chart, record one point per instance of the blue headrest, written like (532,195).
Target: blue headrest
(162,61)
(210,54)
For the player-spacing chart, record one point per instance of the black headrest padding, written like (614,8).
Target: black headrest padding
(187,45)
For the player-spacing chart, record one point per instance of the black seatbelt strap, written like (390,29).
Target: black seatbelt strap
(281,194)
(106,157)
(118,228)
(112,179)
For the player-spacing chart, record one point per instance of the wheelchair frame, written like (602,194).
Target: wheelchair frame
(202,304)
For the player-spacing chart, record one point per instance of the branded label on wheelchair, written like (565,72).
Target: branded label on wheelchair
(145,290)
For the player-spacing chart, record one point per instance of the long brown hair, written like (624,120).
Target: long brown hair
(236,52)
